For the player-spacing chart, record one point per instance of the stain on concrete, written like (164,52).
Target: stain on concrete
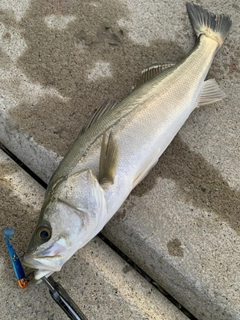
(8,18)
(174,248)
(126,207)
(235,6)
(126,268)
(62,59)
(199,182)
(6,169)
(4,58)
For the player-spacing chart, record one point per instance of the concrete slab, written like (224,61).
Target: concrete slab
(60,60)
(100,282)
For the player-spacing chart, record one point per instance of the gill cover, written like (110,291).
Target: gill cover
(82,191)
(74,214)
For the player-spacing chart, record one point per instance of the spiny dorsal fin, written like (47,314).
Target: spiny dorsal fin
(151,72)
(210,93)
(106,106)
(108,160)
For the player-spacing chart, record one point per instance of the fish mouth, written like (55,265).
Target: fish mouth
(47,261)
(44,266)
(36,263)
(41,270)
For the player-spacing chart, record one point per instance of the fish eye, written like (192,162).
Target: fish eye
(44,233)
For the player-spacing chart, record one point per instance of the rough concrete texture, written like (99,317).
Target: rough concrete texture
(60,59)
(100,282)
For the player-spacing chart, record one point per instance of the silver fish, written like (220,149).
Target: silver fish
(119,146)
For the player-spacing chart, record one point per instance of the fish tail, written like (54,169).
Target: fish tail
(211,25)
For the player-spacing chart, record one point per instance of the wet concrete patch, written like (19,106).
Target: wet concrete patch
(63,60)
(44,120)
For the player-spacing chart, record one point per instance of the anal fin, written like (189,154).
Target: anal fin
(210,93)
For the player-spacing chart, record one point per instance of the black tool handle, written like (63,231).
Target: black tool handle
(61,297)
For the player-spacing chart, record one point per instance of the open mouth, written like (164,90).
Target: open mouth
(43,263)
(41,270)
(47,261)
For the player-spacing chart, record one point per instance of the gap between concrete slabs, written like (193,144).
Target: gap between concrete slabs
(100,282)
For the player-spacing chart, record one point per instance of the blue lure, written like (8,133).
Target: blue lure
(17,266)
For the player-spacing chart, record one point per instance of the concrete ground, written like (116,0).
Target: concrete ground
(59,60)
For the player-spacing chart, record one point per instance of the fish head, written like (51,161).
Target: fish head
(74,211)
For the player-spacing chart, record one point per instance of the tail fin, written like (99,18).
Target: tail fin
(211,25)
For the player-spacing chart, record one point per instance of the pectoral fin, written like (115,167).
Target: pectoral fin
(108,160)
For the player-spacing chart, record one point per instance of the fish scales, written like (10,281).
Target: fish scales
(161,103)
(153,103)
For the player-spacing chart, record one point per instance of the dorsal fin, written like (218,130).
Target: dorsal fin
(106,106)
(151,72)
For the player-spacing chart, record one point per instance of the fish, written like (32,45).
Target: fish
(120,144)
(17,265)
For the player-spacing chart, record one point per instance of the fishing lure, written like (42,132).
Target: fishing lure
(17,266)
